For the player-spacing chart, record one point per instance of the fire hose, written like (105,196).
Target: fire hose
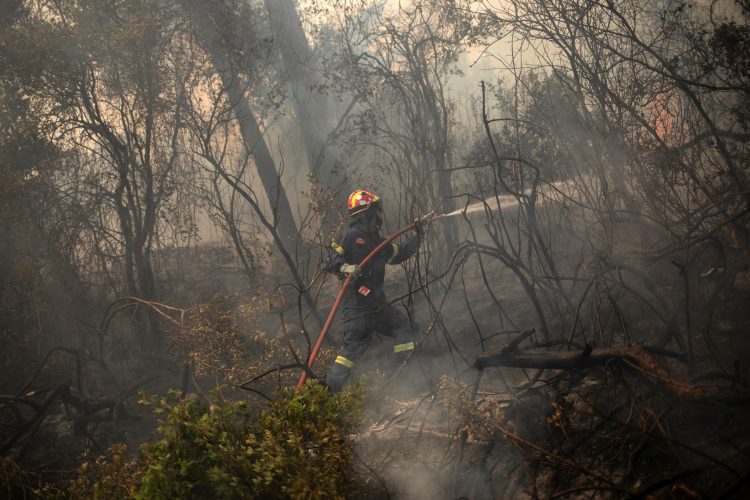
(423,220)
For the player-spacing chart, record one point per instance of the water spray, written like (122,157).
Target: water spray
(493,203)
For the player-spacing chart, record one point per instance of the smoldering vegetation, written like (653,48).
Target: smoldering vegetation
(172,175)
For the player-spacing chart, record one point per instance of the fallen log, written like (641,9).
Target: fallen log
(562,360)
(634,356)
(33,425)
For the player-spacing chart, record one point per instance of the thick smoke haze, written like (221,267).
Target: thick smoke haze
(174,179)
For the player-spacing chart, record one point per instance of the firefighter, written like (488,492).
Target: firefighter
(364,308)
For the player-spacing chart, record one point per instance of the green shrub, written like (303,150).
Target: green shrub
(297,448)
(112,477)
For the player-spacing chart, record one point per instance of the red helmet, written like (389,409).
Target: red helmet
(360,201)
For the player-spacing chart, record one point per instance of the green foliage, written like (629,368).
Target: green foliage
(298,447)
(113,477)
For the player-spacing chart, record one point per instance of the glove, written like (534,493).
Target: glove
(420,225)
(351,270)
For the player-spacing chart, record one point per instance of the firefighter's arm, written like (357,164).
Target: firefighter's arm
(401,252)
(335,258)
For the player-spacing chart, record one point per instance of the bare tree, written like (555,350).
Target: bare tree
(211,22)
(315,110)
(121,110)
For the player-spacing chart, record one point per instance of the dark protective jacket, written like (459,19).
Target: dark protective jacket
(361,238)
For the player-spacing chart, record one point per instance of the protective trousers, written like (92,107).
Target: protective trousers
(360,324)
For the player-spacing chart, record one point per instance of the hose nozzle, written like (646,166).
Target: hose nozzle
(424,219)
